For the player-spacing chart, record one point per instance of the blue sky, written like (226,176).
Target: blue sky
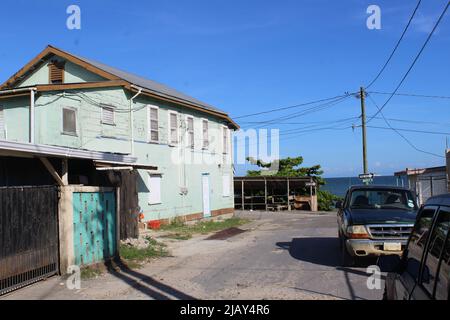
(249,56)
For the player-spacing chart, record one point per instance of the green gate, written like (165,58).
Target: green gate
(94,226)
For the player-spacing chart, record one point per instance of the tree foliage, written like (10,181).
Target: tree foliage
(287,167)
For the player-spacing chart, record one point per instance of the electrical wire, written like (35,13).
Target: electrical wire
(304,112)
(290,107)
(400,134)
(410,95)
(396,46)
(414,61)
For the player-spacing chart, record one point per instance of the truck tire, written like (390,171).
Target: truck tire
(346,259)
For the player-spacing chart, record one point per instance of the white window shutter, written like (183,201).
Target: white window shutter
(108,115)
(2,125)
(226,185)
(155,189)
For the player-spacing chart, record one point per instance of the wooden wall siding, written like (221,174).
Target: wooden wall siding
(29,235)
(128,202)
(94,135)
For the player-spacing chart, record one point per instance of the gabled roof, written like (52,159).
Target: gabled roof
(130,80)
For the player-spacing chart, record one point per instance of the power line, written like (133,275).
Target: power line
(414,61)
(307,122)
(290,107)
(412,130)
(410,95)
(306,129)
(305,112)
(400,134)
(416,121)
(396,46)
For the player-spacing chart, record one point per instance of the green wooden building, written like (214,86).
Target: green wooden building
(179,148)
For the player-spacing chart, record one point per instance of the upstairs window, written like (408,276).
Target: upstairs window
(190,132)
(69,117)
(56,72)
(107,114)
(205,134)
(2,124)
(225,134)
(153,124)
(173,128)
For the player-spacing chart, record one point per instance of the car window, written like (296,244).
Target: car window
(442,280)
(418,241)
(382,199)
(436,244)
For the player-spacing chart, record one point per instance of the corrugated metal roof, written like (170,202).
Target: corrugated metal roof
(146,83)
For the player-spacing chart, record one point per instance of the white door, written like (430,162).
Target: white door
(206,195)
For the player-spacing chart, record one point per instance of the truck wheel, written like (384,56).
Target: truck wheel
(346,258)
(385,294)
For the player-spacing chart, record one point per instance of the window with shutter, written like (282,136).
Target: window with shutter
(226,185)
(69,121)
(154,186)
(190,131)
(173,125)
(56,72)
(225,139)
(153,124)
(108,115)
(2,124)
(205,134)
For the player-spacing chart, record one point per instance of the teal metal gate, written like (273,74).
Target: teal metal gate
(94,226)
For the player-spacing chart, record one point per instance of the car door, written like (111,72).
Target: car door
(434,270)
(405,281)
(340,214)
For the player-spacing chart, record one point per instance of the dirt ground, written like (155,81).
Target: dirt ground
(280,256)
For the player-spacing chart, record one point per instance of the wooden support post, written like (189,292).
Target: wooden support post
(65,172)
(289,206)
(242,190)
(265,192)
(52,171)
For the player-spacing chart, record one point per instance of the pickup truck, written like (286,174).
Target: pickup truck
(374,220)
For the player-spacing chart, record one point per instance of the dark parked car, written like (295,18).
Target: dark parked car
(423,272)
(375,220)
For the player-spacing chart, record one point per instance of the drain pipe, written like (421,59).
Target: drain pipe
(32,107)
(132,117)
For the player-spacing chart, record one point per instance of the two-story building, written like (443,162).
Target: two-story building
(74,122)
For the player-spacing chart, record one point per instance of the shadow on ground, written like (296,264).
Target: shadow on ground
(321,251)
(326,252)
(145,284)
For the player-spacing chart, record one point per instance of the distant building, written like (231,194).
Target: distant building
(426,182)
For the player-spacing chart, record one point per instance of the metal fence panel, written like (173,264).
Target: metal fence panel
(28,235)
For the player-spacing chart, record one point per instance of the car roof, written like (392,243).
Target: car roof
(375,186)
(440,200)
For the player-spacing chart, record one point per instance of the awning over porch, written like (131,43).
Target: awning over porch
(117,165)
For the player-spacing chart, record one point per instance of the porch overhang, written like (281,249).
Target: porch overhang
(117,165)
(22,149)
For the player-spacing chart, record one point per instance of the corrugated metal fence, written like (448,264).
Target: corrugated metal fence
(28,235)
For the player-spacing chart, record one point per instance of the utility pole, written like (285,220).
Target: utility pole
(362,96)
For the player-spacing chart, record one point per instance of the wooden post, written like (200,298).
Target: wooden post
(52,171)
(242,190)
(265,192)
(65,172)
(289,206)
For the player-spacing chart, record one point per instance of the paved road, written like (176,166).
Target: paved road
(281,256)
